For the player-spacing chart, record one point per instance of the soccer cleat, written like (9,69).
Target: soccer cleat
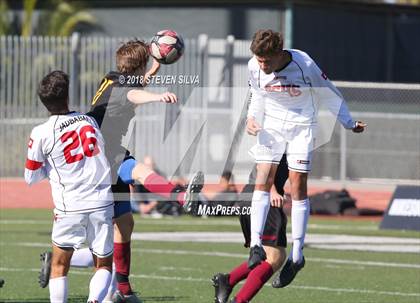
(1,283)
(44,274)
(118,297)
(193,190)
(222,287)
(288,273)
(256,256)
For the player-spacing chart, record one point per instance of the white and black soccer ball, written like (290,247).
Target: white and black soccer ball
(167,46)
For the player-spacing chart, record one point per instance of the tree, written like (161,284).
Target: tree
(61,20)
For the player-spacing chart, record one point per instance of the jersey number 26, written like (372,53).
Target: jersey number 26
(89,146)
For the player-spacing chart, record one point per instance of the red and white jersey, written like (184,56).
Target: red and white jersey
(69,150)
(292,93)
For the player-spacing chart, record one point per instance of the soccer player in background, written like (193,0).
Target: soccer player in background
(69,150)
(285,86)
(113,106)
(273,240)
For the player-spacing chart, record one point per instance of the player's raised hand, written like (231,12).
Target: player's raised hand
(168,97)
(276,199)
(359,127)
(252,126)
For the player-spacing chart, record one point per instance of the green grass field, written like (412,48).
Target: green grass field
(181,272)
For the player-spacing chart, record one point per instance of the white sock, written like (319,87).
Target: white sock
(58,290)
(259,209)
(113,285)
(82,258)
(99,285)
(300,216)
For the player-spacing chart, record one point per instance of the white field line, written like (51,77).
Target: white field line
(174,268)
(318,241)
(236,255)
(191,279)
(410,248)
(245,256)
(313,240)
(200,223)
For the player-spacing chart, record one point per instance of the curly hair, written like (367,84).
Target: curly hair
(266,42)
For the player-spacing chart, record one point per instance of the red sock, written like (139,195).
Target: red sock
(158,185)
(256,279)
(238,274)
(122,256)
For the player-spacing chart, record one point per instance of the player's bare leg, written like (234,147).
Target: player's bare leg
(276,256)
(60,264)
(141,172)
(123,228)
(260,206)
(299,184)
(300,216)
(101,280)
(131,170)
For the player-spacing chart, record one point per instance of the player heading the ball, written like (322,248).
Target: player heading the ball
(286,85)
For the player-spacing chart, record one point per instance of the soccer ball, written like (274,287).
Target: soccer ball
(167,46)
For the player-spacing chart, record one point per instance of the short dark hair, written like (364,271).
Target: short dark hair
(53,90)
(266,43)
(132,55)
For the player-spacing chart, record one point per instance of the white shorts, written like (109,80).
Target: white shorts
(278,137)
(95,228)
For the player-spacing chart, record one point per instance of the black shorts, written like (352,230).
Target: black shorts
(274,230)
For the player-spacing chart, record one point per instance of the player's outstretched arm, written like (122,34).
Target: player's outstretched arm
(141,96)
(152,71)
(328,93)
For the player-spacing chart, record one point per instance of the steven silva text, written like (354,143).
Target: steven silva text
(161,80)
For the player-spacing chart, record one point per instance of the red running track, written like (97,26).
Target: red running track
(15,193)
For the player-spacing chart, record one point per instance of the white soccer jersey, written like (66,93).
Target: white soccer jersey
(69,150)
(292,94)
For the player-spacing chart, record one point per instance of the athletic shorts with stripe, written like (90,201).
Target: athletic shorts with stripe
(274,230)
(279,137)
